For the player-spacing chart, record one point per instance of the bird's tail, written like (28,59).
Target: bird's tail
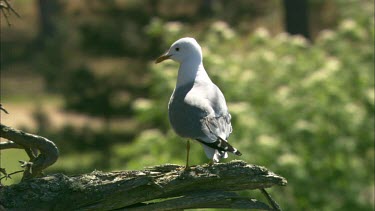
(222,145)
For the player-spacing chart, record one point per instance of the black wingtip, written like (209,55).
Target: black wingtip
(222,145)
(237,153)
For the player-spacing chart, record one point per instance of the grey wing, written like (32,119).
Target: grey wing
(214,120)
(217,126)
(217,130)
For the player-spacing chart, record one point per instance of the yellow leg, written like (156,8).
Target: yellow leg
(187,154)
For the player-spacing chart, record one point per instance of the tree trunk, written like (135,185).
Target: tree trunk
(296,17)
(47,12)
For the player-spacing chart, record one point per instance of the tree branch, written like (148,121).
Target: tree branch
(48,150)
(8,176)
(3,109)
(273,203)
(5,8)
(10,145)
(165,187)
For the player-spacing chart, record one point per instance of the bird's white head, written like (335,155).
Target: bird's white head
(183,50)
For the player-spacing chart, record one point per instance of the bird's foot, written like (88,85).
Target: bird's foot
(186,168)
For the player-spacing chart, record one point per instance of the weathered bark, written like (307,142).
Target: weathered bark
(165,187)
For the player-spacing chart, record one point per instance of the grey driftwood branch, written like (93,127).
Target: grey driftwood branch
(32,144)
(164,187)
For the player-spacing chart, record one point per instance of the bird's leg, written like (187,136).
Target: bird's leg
(187,154)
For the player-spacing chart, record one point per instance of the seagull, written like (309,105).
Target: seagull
(197,108)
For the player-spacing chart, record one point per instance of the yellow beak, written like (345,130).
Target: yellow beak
(162,58)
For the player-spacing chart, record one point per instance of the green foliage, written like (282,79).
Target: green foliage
(304,110)
(85,92)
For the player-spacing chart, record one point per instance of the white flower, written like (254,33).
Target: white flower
(262,33)
(282,37)
(269,56)
(348,25)
(331,66)
(299,40)
(327,35)
(142,104)
(223,28)
(173,27)
(289,159)
(267,141)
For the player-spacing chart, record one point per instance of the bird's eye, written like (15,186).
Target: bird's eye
(177,49)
